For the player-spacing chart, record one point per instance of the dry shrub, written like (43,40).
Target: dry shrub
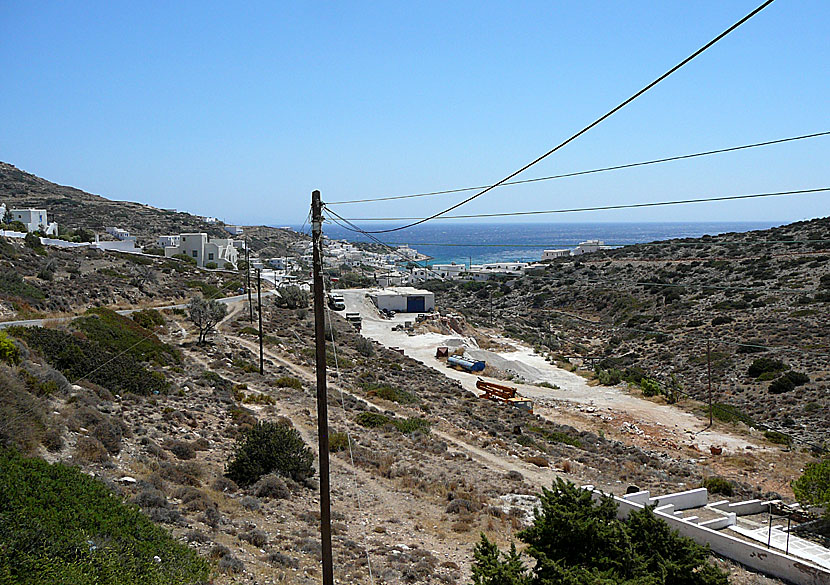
(187,473)
(567,466)
(462,525)
(538,461)
(110,433)
(90,450)
(271,486)
(258,538)
(181,449)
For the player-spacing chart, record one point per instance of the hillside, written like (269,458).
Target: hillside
(645,313)
(73,208)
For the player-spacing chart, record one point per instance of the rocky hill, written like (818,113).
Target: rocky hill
(73,208)
(645,314)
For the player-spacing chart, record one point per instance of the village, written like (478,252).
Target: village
(398,266)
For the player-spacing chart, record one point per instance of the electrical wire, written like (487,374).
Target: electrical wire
(614,245)
(588,172)
(581,209)
(589,126)
(348,436)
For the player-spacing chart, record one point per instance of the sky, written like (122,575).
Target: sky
(240,112)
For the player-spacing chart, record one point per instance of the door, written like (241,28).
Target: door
(415,304)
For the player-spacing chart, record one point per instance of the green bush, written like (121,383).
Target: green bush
(13,285)
(120,334)
(813,487)
(718,485)
(270,447)
(762,365)
(338,442)
(372,420)
(292,297)
(650,387)
(729,413)
(781,385)
(148,318)
(78,358)
(185,258)
(9,352)
(777,438)
(211,265)
(390,393)
(209,291)
(289,382)
(575,540)
(60,526)
(406,426)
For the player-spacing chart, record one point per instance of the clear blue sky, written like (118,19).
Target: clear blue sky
(241,112)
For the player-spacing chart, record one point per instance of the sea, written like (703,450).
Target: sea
(481,243)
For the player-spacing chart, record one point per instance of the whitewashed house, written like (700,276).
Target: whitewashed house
(234,230)
(589,246)
(554,254)
(391,279)
(451,271)
(169,241)
(35,220)
(119,233)
(205,250)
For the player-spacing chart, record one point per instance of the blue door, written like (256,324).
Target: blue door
(415,304)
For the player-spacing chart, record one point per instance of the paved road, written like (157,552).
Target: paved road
(39,322)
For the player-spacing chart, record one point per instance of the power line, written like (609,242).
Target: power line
(588,172)
(613,244)
(581,209)
(589,126)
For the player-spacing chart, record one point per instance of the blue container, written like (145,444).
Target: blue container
(465,364)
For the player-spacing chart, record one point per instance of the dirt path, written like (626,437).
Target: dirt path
(671,422)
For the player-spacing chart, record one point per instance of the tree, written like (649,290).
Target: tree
(577,540)
(292,297)
(205,314)
(270,447)
(813,487)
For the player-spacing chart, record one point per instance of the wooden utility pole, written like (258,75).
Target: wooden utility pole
(709,368)
(322,405)
(248,271)
(259,311)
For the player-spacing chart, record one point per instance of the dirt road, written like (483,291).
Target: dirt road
(674,423)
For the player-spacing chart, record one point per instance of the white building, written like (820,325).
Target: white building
(403,299)
(210,219)
(391,279)
(234,230)
(450,271)
(119,233)
(204,250)
(553,254)
(35,220)
(169,241)
(589,246)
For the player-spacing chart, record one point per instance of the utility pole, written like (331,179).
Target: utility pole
(248,271)
(259,311)
(322,406)
(709,368)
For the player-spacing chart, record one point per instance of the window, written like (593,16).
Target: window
(195,253)
(210,255)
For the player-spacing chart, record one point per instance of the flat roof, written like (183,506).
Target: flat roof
(403,290)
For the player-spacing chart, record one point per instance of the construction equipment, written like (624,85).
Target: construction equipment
(504,394)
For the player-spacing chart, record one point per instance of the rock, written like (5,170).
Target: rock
(127,480)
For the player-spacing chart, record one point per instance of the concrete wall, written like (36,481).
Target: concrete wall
(742,508)
(12,234)
(696,498)
(758,558)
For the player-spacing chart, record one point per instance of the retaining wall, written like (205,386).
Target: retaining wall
(762,559)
